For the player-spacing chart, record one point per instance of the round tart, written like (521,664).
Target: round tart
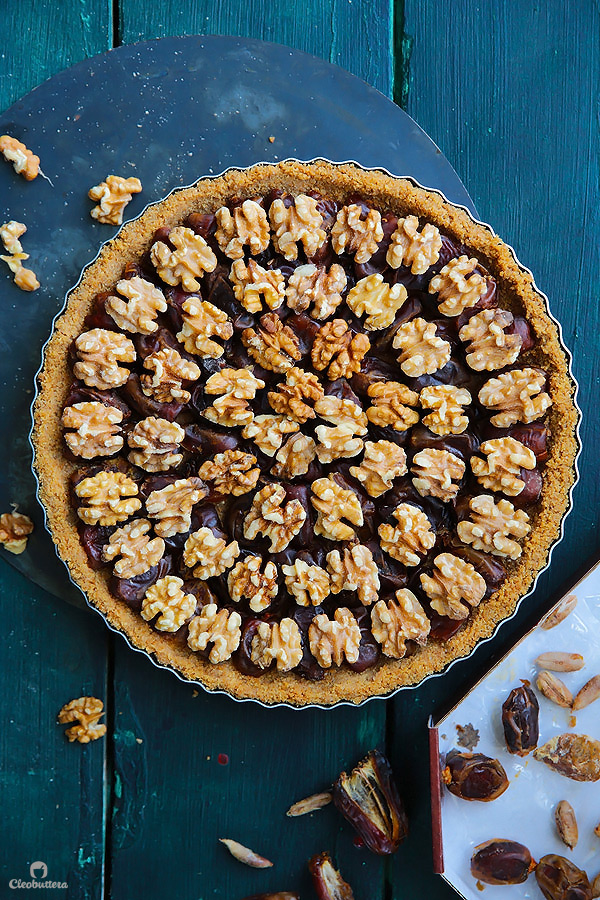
(305,433)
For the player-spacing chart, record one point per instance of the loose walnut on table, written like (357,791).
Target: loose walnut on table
(458,286)
(491,526)
(172,505)
(500,469)
(201,322)
(383,461)
(391,405)
(252,284)
(112,196)
(274,346)
(210,555)
(155,444)
(453,580)
(218,627)
(99,353)
(270,516)
(398,621)
(410,539)
(423,351)
(14,530)
(317,285)
(112,497)
(86,711)
(358,232)
(299,223)
(187,263)
(332,642)
(437,473)
(231,472)
(308,584)
(379,301)
(297,397)
(277,641)
(24,162)
(515,396)
(410,247)
(335,346)
(447,403)
(167,600)
(244,226)
(489,347)
(354,569)
(137,551)
(96,429)
(333,504)
(138,312)
(248,579)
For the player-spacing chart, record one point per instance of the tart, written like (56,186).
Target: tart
(305,433)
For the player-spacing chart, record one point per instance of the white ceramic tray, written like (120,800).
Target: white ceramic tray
(525,812)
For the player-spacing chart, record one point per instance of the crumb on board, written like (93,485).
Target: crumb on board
(468,736)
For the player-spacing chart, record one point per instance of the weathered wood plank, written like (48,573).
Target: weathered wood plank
(356,35)
(494,86)
(52,791)
(40,38)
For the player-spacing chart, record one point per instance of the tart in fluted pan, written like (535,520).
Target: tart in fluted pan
(305,432)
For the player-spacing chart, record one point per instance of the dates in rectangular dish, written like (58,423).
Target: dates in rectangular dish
(520,720)
(500,861)
(369,799)
(474,776)
(560,879)
(327,881)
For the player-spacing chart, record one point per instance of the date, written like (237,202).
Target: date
(501,861)
(369,799)
(327,881)
(520,720)
(560,879)
(474,776)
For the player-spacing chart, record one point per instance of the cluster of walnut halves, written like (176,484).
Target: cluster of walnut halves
(24,278)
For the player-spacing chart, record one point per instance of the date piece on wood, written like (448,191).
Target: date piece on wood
(369,799)
(327,881)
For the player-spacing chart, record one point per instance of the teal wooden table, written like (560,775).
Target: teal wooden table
(509,91)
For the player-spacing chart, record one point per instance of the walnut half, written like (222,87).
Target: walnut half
(452,581)
(333,641)
(398,621)
(210,555)
(137,551)
(246,580)
(335,346)
(410,247)
(492,527)
(515,396)
(138,311)
(379,301)
(86,711)
(188,262)
(112,497)
(437,473)
(172,505)
(423,352)
(383,461)
(410,539)
(99,353)
(357,231)
(155,444)
(14,530)
(317,285)
(273,518)
(218,627)
(167,600)
(112,196)
(501,467)
(354,569)
(96,429)
(278,642)
(392,402)
(309,585)
(459,286)
(333,504)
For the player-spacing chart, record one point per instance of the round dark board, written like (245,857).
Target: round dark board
(168,112)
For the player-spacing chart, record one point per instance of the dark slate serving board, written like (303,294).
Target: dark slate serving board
(168,112)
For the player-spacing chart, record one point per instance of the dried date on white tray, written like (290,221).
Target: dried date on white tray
(560,769)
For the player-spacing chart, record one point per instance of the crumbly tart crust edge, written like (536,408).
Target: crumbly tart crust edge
(400,196)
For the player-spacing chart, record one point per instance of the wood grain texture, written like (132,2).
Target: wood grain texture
(354,34)
(52,791)
(40,38)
